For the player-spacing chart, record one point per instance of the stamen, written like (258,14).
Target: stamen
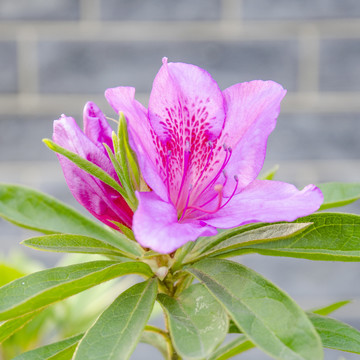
(187,154)
(214,197)
(228,152)
(167,173)
(219,189)
(233,193)
(187,203)
(207,163)
(111,119)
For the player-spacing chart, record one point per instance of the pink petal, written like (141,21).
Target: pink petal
(141,136)
(96,127)
(156,225)
(185,96)
(267,201)
(99,199)
(186,111)
(251,112)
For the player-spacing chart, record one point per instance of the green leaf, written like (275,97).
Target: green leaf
(264,313)
(333,236)
(10,327)
(157,338)
(238,238)
(269,175)
(71,244)
(205,243)
(8,274)
(34,210)
(234,347)
(66,354)
(40,289)
(118,329)
(49,351)
(86,165)
(335,334)
(339,194)
(326,310)
(197,322)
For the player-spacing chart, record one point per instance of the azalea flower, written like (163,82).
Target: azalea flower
(200,151)
(100,199)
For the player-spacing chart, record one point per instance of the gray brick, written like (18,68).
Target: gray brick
(160,10)
(330,136)
(295,9)
(340,65)
(92,67)
(20,138)
(39,10)
(8,67)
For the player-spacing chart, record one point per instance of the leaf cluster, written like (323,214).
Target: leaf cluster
(204,296)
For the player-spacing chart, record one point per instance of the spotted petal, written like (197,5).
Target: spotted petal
(141,136)
(156,225)
(186,111)
(185,97)
(267,201)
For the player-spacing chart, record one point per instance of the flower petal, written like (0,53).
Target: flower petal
(141,136)
(156,226)
(267,201)
(96,127)
(251,112)
(99,199)
(185,96)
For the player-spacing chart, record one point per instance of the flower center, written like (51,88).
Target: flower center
(204,199)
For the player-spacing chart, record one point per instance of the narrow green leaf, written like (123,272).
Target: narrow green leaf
(86,165)
(234,347)
(71,244)
(34,210)
(40,289)
(269,175)
(129,195)
(157,338)
(332,236)
(198,324)
(205,243)
(339,194)
(10,327)
(49,351)
(238,238)
(326,310)
(118,329)
(335,334)
(66,354)
(264,313)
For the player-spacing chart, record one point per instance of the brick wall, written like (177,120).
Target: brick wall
(57,54)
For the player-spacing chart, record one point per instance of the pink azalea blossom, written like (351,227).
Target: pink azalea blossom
(200,151)
(99,199)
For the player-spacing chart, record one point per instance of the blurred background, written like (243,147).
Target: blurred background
(57,54)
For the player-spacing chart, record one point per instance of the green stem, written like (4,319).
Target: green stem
(183,284)
(180,255)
